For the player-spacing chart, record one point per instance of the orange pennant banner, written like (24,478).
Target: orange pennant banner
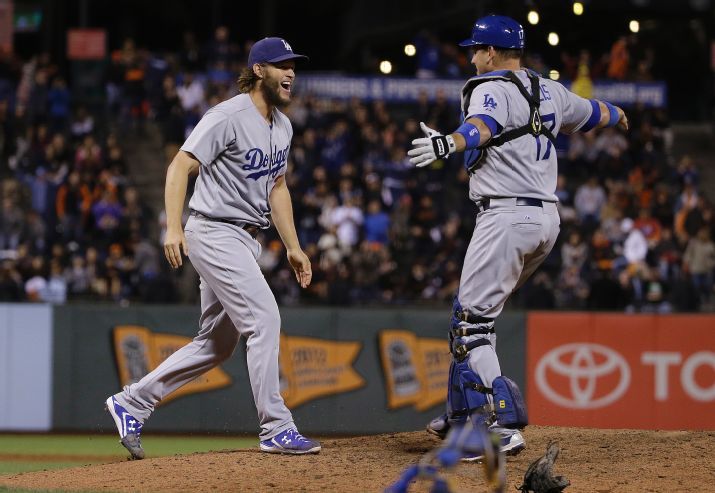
(312,368)
(416,369)
(138,351)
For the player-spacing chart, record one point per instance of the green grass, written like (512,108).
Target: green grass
(108,445)
(92,449)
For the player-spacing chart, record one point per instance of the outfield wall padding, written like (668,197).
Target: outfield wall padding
(86,371)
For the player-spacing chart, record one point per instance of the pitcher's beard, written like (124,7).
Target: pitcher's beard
(270,89)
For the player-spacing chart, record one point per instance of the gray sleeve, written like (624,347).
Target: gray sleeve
(210,137)
(575,110)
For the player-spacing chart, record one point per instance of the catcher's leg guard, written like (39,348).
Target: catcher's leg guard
(509,405)
(467,395)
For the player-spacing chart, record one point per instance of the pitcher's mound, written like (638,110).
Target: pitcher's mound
(595,461)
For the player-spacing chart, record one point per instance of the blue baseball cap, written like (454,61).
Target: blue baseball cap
(272,50)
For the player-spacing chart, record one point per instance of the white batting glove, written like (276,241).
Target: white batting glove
(430,148)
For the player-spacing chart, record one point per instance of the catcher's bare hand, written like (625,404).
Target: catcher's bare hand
(301,266)
(622,120)
(174,243)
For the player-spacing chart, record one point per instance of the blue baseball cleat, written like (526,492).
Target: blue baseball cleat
(128,426)
(290,442)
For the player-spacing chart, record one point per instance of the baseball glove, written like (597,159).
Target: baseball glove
(540,478)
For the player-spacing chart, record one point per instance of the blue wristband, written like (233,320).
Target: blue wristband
(613,115)
(471,135)
(595,117)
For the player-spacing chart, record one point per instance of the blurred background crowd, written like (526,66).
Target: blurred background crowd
(77,223)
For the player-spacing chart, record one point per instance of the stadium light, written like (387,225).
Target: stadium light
(385,67)
(533,17)
(554,75)
(634,26)
(553,39)
(577,8)
(410,50)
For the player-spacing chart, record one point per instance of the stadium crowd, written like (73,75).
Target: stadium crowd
(637,234)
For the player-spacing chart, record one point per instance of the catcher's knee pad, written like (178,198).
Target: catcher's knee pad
(509,405)
(467,395)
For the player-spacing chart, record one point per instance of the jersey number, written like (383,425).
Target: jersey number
(549,120)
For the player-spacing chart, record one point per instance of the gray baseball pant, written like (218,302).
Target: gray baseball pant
(508,244)
(235,301)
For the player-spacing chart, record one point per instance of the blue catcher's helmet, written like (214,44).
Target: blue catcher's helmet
(496,30)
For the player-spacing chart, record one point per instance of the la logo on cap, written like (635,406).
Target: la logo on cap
(285,43)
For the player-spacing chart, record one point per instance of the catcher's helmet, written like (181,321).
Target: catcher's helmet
(496,30)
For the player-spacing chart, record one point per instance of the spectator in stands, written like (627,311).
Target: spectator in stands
(82,123)
(88,156)
(582,83)
(37,102)
(11,287)
(635,247)
(220,50)
(649,226)
(59,105)
(77,278)
(618,63)
(36,284)
(191,93)
(347,219)
(12,223)
(699,262)
(687,171)
(377,223)
(8,138)
(191,55)
(107,214)
(428,59)
(589,199)
(656,292)
(56,288)
(574,252)
(72,207)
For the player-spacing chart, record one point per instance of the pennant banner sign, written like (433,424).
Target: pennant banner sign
(309,368)
(416,369)
(312,368)
(138,351)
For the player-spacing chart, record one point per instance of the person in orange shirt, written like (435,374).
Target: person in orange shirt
(649,226)
(618,63)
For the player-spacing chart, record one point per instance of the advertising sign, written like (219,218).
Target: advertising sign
(621,371)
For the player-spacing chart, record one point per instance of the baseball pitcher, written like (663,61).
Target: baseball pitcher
(239,150)
(511,117)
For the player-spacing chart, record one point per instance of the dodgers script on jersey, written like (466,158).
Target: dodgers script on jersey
(236,179)
(502,172)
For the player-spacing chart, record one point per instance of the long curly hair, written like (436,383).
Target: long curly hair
(247,80)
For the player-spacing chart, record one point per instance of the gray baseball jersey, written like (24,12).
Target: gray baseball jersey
(241,156)
(515,233)
(526,166)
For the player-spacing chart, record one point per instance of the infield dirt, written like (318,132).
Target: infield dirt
(595,461)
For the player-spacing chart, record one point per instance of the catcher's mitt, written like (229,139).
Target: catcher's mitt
(540,478)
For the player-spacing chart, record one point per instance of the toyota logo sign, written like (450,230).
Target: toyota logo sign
(582,366)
